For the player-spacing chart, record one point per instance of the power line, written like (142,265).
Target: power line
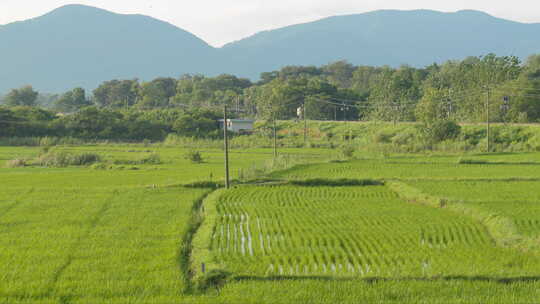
(522,88)
(23,122)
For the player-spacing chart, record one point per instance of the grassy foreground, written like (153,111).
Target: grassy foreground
(116,235)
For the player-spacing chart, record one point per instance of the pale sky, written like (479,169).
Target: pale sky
(221,21)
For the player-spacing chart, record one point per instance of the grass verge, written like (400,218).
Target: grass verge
(185,254)
(502,229)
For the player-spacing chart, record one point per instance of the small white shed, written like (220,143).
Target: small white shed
(238,125)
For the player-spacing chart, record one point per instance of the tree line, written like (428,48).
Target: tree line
(93,123)
(455,91)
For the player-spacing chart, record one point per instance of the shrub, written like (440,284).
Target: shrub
(84,159)
(194,157)
(54,159)
(44,150)
(15,163)
(347,151)
(444,130)
(406,137)
(153,159)
(383,137)
(64,159)
(100,166)
(213,279)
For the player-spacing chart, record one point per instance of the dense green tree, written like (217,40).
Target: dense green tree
(140,126)
(199,90)
(117,93)
(33,114)
(339,73)
(468,81)
(162,116)
(455,90)
(8,122)
(434,106)
(364,78)
(47,100)
(72,101)
(291,72)
(281,98)
(519,100)
(197,124)
(394,93)
(266,77)
(157,93)
(25,96)
(25,121)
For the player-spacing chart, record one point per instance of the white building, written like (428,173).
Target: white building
(238,125)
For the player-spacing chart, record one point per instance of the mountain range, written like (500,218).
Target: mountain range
(82,46)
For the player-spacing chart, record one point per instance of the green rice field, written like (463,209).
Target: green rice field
(134,232)
(517,200)
(430,168)
(351,232)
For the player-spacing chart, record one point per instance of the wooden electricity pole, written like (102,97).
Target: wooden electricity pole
(488,122)
(275,140)
(305,123)
(226,145)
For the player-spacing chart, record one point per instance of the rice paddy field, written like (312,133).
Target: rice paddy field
(131,232)
(421,167)
(516,200)
(356,232)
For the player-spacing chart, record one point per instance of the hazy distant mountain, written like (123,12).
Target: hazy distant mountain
(389,37)
(78,45)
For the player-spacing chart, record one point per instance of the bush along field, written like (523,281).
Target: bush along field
(151,223)
(370,136)
(381,137)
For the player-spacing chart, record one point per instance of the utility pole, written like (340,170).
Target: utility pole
(488,123)
(396,110)
(449,105)
(350,130)
(226,145)
(345,110)
(305,122)
(275,140)
(505,108)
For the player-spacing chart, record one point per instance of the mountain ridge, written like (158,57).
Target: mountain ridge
(78,45)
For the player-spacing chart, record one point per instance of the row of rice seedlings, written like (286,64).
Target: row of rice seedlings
(39,236)
(380,291)
(148,227)
(517,200)
(529,227)
(484,191)
(418,168)
(100,244)
(340,234)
